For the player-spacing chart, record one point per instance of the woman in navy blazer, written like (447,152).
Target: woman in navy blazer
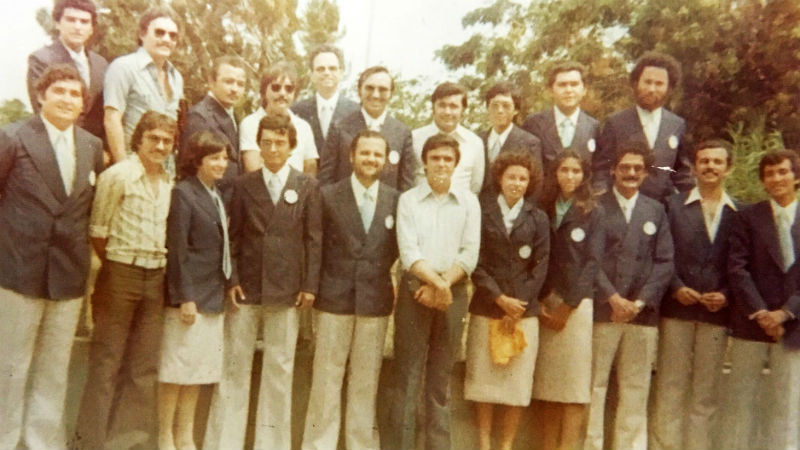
(515,242)
(564,364)
(197,271)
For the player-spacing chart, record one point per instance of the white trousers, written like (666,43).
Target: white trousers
(633,349)
(227,421)
(689,368)
(36,338)
(780,392)
(352,343)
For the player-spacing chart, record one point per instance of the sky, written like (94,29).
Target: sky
(405,35)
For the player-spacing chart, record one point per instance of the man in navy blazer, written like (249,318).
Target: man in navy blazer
(652,79)
(276,251)
(355,299)
(375,88)
(694,314)
(74,20)
(765,283)
(214,112)
(48,168)
(633,276)
(503,101)
(327,105)
(565,125)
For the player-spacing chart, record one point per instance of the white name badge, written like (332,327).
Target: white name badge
(649,228)
(672,142)
(389,222)
(394,157)
(591,145)
(525,252)
(290,196)
(577,234)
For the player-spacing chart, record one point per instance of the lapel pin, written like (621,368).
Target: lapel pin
(290,196)
(525,252)
(649,228)
(577,234)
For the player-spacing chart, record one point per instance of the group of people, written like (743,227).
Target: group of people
(582,247)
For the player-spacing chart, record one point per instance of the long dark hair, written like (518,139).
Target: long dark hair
(583,197)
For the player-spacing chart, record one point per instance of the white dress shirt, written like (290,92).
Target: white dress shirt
(373,123)
(651,122)
(325,109)
(496,141)
(281,176)
(560,117)
(442,230)
(63,143)
(711,218)
(509,213)
(469,171)
(626,204)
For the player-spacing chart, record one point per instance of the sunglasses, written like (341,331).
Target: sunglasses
(275,87)
(160,32)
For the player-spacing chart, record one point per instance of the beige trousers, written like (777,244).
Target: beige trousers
(227,421)
(633,349)
(36,338)
(688,372)
(352,343)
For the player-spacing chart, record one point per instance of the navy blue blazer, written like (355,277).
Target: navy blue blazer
(757,279)
(518,139)
(672,162)
(91,119)
(307,110)
(576,250)
(276,248)
(195,248)
(45,241)
(209,115)
(699,263)
(637,258)
(543,125)
(356,265)
(335,156)
(514,264)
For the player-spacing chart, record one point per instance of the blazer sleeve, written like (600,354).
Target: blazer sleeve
(682,176)
(312,239)
(663,266)
(741,280)
(36,68)
(7,157)
(235,228)
(480,276)
(179,225)
(601,159)
(407,163)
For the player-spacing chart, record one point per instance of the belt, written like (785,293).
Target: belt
(139,261)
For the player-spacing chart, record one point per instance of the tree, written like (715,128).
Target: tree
(12,111)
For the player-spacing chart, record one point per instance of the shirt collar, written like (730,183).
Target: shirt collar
(560,116)
(621,200)
(646,116)
(227,110)
(359,189)
(144,59)
(425,191)
(502,136)
(458,133)
(505,209)
(331,102)
(371,120)
(72,53)
(790,210)
(283,174)
(54,133)
(694,196)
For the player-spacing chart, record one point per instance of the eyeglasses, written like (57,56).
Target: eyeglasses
(275,87)
(501,106)
(636,168)
(160,32)
(155,140)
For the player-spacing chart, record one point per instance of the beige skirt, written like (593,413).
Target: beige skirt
(191,354)
(565,359)
(487,382)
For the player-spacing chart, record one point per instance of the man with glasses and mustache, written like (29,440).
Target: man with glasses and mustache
(635,273)
(653,79)
(142,81)
(278,88)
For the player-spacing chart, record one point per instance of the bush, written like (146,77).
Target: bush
(749,146)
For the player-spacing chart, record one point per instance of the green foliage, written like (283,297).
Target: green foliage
(12,111)
(749,146)
(318,25)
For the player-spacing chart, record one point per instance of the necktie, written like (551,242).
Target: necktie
(226,249)
(325,119)
(274,187)
(566,132)
(785,236)
(367,210)
(82,64)
(650,130)
(65,156)
(495,150)
(625,208)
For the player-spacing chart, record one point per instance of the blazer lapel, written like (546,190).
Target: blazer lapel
(37,143)
(257,189)
(383,208)
(314,117)
(693,214)
(348,208)
(204,199)
(796,235)
(583,131)
(84,164)
(768,230)
(551,131)
(635,226)
(523,213)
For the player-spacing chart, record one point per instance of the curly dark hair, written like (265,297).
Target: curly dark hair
(516,157)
